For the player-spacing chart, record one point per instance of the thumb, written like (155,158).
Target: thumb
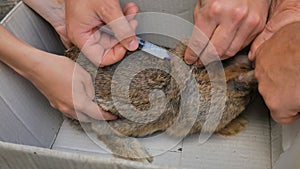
(86,106)
(93,110)
(196,45)
(260,39)
(121,27)
(275,23)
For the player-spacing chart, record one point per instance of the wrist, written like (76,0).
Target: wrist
(51,10)
(29,63)
(38,64)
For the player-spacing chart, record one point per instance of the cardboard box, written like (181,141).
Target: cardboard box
(33,135)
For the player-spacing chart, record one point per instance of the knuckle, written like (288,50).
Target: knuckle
(270,28)
(231,52)
(239,12)
(107,10)
(196,45)
(220,50)
(215,9)
(255,21)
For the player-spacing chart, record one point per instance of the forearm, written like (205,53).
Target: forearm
(18,55)
(52,10)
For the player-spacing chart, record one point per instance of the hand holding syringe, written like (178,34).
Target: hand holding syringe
(145,46)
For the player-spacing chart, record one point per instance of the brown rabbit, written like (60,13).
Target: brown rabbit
(166,95)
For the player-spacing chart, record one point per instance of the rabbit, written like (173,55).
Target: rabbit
(161,97)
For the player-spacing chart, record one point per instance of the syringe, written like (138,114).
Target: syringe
(145,46)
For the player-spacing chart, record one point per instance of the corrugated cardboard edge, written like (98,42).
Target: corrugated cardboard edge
(291,146)
(276,141)
(20,156)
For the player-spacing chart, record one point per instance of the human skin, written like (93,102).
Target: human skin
(77,21)
(276,55)
(228,26)
(54,12)
(282,12)
(83,19)
(66,85)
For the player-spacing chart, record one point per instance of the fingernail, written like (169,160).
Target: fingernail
(112,117)
(133,45)
(200,64)
(250,55)
(188,61)
(108,116)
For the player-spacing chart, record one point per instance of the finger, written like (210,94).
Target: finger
(116,53)
(119,25)
(106,41)
(94,111)
(81,117)
(285,117)
(89,88)
(82,83)
(82,103)
(130,10)
(72,114)
(243,36)
(101,49)
(69,116)
(259,40)
(113,55)
(196,45)
(272,26)
(93,49)
(223,37)
(66,42)
(201,34)
(79,34)
(219,43)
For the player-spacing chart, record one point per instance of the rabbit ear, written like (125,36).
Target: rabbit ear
(247,77)
(243,82)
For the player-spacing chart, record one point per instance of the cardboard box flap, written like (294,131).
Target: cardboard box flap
(26,116)
(23,24)
(37,158)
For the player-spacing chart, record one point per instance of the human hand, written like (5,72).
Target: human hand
(68,87)
(282,12)
(83,19)
(52,11)
(229,26)
(277,71)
